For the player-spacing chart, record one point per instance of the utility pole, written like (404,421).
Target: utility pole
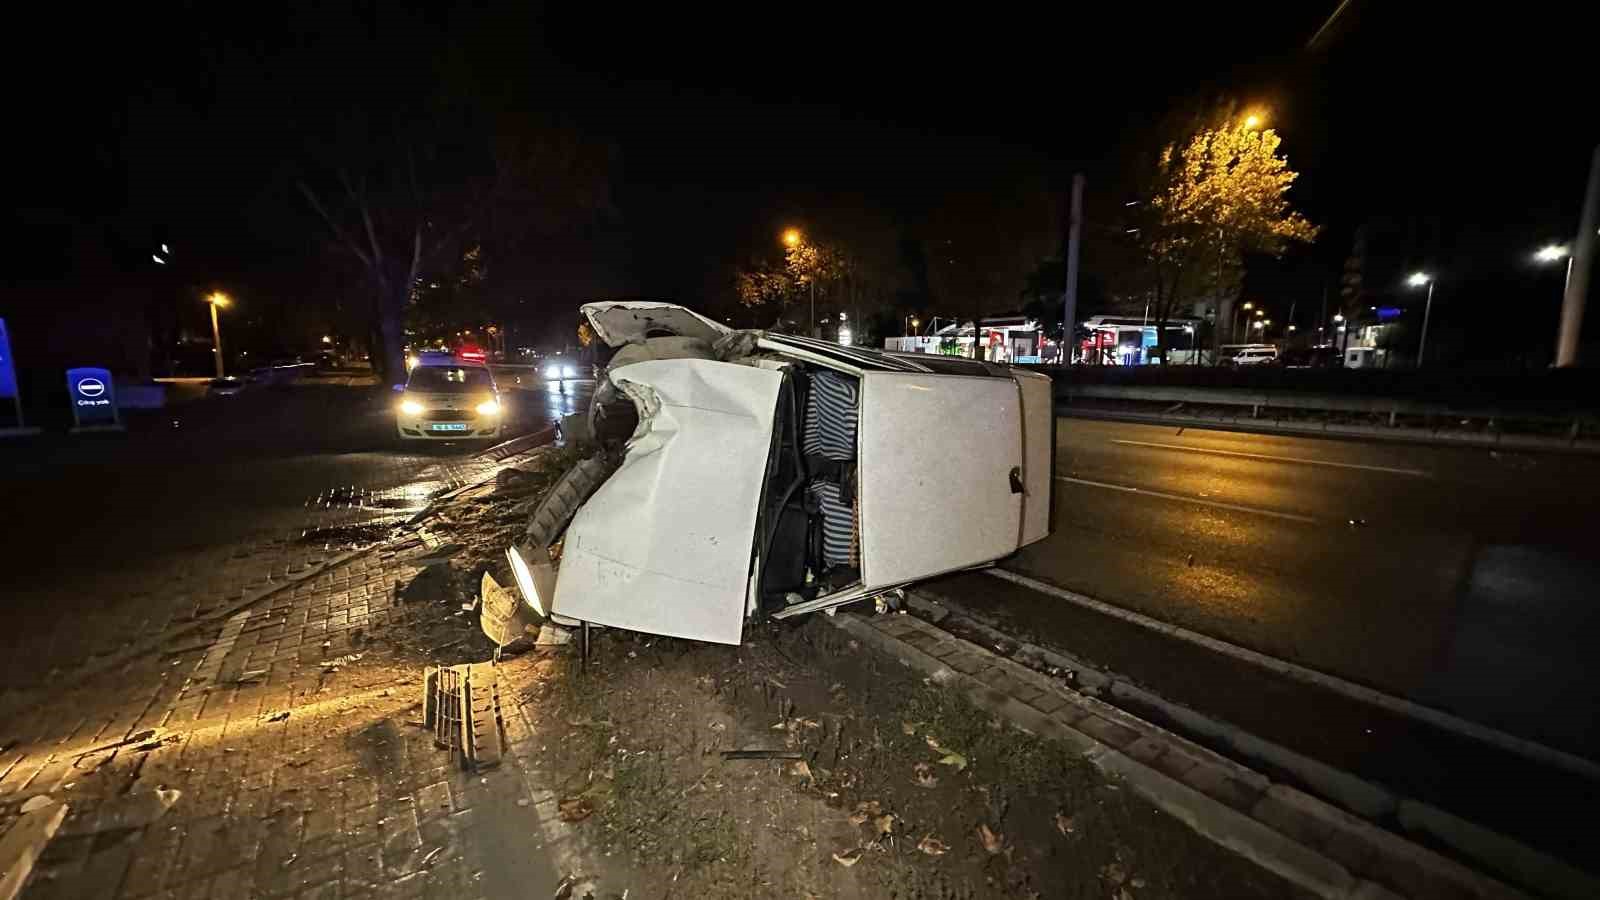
(1069,302)
(1578,271)
(1224,305)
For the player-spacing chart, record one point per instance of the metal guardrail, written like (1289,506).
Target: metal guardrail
(1403,419)
(1259,400)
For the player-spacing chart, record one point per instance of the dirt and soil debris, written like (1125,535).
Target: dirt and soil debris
(902,789)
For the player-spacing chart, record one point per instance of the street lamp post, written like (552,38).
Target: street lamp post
(215,300)
(1419,279)
(1554,253)
(793,239)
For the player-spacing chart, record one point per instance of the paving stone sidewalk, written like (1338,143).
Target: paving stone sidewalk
(298,778)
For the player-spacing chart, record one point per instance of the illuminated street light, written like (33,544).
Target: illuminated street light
(327,339)
(215,301)
(792,238)
(1260,313)
(1418,279)
(1248,306)
(1338,317)
(158,259)
(1556,253)
(1252,121)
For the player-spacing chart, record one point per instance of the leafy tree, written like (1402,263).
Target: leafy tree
(1213,197)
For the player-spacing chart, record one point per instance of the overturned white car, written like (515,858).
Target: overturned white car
(744,475)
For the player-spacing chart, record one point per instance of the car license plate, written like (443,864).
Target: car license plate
(449,426)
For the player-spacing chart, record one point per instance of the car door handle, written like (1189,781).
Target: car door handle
(1016,479)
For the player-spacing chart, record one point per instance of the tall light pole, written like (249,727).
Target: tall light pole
(215,300)
(793,239)
(1418,279)
(1556,253)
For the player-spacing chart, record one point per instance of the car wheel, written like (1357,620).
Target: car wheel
(560,504)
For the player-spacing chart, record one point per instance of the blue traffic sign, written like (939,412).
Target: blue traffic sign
(93,398)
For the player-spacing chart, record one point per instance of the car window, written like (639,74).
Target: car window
(449,379)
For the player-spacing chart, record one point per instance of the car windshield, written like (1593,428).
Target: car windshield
(449,380)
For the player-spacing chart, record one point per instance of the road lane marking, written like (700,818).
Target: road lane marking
(1442,720)
(1418,473)
(1256,510)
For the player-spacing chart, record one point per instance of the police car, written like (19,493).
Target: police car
(448,396)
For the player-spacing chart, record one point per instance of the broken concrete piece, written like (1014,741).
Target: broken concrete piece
(132,811)
(21,846)
(440,555)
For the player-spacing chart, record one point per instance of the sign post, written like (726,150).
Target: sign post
(94,400)
(8,387)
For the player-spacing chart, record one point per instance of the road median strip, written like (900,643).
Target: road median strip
(1322,849)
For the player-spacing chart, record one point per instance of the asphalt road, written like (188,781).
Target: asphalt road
(1461,579)
(108,533)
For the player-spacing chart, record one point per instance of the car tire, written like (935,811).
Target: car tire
(554,512)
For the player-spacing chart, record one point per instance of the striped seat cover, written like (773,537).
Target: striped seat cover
(833,409)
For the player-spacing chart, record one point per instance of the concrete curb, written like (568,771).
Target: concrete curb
(1370,801)
(1324,850)
(1524,443)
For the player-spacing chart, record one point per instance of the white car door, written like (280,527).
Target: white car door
(937,462)
(665,544)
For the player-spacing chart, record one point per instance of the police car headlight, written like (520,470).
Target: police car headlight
(489,408)
(411,407)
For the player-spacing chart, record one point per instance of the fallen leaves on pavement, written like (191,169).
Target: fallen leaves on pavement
(932,846)
(1064,822)
(923,773)
(866,809)
(848,858)
(575,809)
(992,842)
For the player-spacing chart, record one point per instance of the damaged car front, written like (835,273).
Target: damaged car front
(740,475)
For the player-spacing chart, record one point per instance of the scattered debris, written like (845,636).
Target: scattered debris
(333,665)
(923,774)
(505,618)
(1114,872)
(762,754)
(441,555)
(21,846)
(575,809)
(126,813)
(866,809)
(461,704)
(848,858)
(39,802)
(884,824)
(278,716)
(932,846)
(1064,822)
(952,758)
(993,843)
(524,802)
(428,860)
(249,676)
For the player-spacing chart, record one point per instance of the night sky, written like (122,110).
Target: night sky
(1467,135)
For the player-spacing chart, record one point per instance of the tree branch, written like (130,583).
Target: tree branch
(338,231)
